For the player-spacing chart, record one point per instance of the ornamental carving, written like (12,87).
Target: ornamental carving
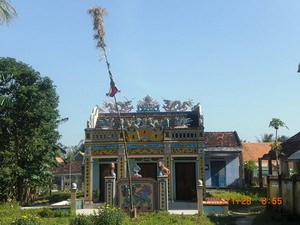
(107,122)
(125,106)
(104,152)
(184,151)
(148,104)
(145,151)
(134,124)
(182,121)
(176,105)
(146,122)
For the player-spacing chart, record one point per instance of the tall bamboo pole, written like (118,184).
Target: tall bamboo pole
(98,13)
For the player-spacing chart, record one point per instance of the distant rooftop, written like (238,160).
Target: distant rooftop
(253,151)
(222,139)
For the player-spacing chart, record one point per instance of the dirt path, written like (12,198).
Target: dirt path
(245,220)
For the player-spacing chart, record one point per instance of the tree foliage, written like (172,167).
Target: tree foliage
(250,165)
(270,137)
(277,123)
(28,130)
(7,12)
(265,138)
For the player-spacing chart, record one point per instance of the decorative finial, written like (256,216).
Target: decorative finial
(74,186)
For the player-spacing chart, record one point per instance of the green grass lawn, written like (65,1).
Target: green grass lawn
(10,212)
(167,219)
(254,194)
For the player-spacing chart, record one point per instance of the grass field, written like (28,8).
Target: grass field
(10,212)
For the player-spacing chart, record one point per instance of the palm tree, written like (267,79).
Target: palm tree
(7,12)
(282,138)
(276,124)
(265,138)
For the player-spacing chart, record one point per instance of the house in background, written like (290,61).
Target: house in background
(289,163)
(223,160)
(290,159)
(254,151)
(67,173)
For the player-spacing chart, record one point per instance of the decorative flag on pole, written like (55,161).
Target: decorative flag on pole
(113,89)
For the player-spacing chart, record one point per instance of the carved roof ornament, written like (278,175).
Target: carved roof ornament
(148,104)
(107,123)
(182,121)
(124,107)
(176,105)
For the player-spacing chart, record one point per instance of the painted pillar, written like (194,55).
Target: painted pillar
(202,168)
(163,200)
(167,153)
(110,190)
(88,190)
(73,198)
(122,162)
(168,165)
(200,197)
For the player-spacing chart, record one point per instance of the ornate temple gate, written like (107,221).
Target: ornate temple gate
(173,137)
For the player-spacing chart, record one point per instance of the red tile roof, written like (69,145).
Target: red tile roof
(253,151)
(222,139)
(76,167)
(59,159)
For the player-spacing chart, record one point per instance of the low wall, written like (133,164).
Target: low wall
(215,205)
(284,193)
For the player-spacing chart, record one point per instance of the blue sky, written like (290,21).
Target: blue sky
(238,58)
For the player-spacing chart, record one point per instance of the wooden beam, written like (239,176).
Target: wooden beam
(260,173)
(270,166)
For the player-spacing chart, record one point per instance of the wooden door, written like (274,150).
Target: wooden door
(185,181)
(148,170)
(102,169)
(218,174)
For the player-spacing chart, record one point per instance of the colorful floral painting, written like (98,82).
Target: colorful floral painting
(142,196)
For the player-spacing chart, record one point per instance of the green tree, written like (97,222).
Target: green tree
(7,12)
(250,165)
(28,130)
(276,124)
(5,101)
(265,138)
(282,138)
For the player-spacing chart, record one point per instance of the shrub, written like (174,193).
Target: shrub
(82,220)
(107,215)
(59,196)
(61,213)
(250,165)
(27,220)
(48,213)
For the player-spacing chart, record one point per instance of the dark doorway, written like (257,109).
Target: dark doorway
(185,181)
(102,168)
(218,174)
(148,170)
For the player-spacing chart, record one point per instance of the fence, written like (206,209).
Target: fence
(284,193)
